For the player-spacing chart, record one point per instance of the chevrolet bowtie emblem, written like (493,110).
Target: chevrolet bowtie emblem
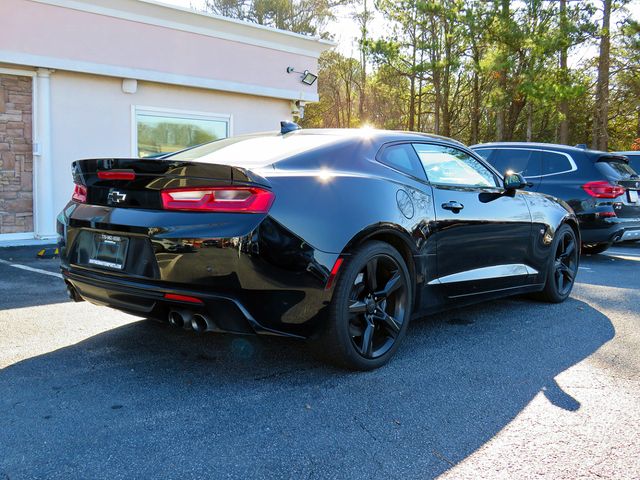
(116,197)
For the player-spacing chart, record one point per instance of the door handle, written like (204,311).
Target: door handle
(455,207)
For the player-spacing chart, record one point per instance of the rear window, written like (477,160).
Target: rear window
(522,161)
(616,168)
(250,151)
(553,163)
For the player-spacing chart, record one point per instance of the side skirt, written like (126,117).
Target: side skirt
(472,299)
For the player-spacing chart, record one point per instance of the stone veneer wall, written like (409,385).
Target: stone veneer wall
(16,154)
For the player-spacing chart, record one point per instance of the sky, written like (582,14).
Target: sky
(345,30)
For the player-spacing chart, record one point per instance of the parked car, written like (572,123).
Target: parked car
(602,188)
(634,159)
(335,236)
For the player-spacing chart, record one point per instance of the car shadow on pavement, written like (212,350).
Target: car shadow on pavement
(147,401)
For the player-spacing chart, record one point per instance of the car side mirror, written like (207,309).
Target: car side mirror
(514,181)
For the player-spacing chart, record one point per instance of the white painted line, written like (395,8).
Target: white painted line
(629,254)
(31,269)
(624,257)
(585,268)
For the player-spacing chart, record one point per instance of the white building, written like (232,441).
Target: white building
(120,78)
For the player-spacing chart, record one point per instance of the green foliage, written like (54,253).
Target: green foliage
(476,70)
(301,16)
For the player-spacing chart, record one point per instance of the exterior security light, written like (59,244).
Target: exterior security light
(306,77)
(309,78)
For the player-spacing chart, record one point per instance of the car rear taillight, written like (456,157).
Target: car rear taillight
(218,199)
(79,194)
(603,189)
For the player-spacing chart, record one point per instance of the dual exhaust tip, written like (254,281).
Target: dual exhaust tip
(197,322)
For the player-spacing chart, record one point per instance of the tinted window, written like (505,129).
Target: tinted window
(255,150)
(484,152)
(450,166)
(614,168)
(402,157)
(554,163)
(525,162)
(634,161)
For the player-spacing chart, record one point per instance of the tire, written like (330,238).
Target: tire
(595,248)
(362,331)
(563,266)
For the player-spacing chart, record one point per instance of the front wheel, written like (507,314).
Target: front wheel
(594,248)
(370,309)
(563,266)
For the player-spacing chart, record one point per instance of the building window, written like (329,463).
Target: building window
(157,131)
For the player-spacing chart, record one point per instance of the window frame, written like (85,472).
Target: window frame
(496,176)
(572,162)
(177,113)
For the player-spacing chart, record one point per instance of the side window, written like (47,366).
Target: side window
(527,163)
(484,152)
(450,166)
(402,157)
(554,163)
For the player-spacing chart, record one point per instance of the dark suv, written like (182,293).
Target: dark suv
(634,159)
(602,188)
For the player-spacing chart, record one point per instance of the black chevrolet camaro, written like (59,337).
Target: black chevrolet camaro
(339,237)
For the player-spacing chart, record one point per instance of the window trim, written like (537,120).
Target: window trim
(572,162)
(172,112)
(496,176)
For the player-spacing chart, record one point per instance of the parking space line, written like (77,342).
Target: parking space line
(630,254)
(31,269)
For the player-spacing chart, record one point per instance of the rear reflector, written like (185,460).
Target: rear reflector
(603,189)
(334,273)
(79,194)
(606,214)
(218,199)
(182,298)
(116,175)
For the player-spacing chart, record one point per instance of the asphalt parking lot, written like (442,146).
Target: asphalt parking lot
(507,389)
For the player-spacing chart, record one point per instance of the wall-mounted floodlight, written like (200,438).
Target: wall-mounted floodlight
(306,77)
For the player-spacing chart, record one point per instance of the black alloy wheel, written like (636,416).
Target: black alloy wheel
(377,307)
(563,266)
(595,248)
(566,263)
(370,309)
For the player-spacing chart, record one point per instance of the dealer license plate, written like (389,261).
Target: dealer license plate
(109,251)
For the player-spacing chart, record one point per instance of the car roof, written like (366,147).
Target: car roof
(377,134)
(631,152)
(540,146)
(593,155)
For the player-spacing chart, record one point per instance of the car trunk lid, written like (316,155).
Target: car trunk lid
(139,183)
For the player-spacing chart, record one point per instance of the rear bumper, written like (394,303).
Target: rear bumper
(630,235)
(252,274)
(609,230)
(227,313)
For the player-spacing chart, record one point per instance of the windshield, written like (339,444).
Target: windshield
(257,150)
